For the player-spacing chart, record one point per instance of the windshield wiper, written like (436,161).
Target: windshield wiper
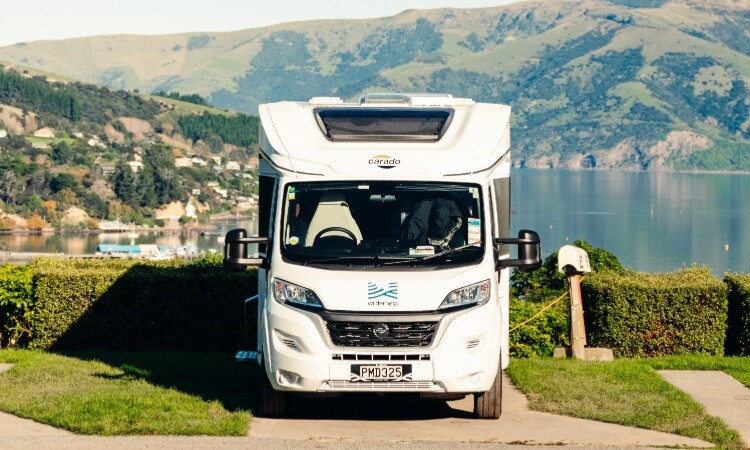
(343,259)
(444,253)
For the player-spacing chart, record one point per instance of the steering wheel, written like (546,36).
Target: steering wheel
(348,234)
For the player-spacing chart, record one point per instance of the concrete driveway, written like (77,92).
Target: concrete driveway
(358,419)
(372,422)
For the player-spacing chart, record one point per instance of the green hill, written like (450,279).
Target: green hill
(621,84)
(113,154)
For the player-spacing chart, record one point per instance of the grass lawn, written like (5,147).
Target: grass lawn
(129,393)
(627,392)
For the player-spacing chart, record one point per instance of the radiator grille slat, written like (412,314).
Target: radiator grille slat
(400,334)
(390,385)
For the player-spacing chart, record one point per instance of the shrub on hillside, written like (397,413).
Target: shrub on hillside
(642,315)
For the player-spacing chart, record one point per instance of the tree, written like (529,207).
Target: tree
(35,222)
(125,184)
(67,197)
(64,181)
(50,209)
(7,224)
(11,186)
(62,153)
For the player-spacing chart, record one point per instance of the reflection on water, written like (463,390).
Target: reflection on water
(85,244)
(653,222)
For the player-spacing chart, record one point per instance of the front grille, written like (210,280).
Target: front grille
(381,386)
(400,334)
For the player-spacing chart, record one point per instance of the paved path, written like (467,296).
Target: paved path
(385,423)
(722,396)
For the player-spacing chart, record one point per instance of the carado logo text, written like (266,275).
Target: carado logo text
(384,161)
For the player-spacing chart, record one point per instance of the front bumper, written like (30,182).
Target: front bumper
(461,358)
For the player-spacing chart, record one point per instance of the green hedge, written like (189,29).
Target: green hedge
(738,325)
(540,336)
(138,305)
(642,315)
(16,289)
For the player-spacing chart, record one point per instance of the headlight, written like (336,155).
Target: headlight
(286,292)
(475,294)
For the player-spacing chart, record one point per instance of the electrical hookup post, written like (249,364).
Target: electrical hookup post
(574,262)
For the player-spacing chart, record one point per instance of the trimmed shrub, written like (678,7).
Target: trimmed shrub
(139,305)
(540,336)
(738,324)
(16,294)
(643,315)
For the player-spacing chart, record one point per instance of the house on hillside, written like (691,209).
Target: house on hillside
(135,166)
(44,133)
(107,168)
(3,134)
(183,162)
(190,210)
(199,162)
(78,135)
(40,145)
(95,142)
(233,165)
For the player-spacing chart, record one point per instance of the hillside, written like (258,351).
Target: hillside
(625,84)
(74,154)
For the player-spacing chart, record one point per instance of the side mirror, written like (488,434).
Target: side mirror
(573,259)
(235,250)
(529,251)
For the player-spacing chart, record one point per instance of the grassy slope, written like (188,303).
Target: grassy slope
(147,61)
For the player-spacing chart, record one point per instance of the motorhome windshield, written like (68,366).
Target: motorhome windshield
(381,223)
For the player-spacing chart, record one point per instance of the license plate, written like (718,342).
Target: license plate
(381,372)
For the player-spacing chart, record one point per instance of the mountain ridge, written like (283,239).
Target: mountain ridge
(627,84)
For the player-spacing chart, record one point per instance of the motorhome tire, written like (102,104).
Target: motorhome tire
(489,405)
(273,403)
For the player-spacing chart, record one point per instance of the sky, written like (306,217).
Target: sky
(31,20)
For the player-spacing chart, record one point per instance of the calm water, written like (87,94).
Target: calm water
(82,244)
(653,222)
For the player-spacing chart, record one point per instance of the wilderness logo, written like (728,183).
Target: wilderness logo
(388,293)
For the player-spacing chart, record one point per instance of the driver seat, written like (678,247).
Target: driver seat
(332,211)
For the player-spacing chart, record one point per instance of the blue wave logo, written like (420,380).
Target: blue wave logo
(374,291)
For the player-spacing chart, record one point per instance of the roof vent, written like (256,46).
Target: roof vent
(383,123)
(442,100)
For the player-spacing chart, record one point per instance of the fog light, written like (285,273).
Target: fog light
(288,378)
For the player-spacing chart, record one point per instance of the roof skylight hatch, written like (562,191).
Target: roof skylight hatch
(383,123)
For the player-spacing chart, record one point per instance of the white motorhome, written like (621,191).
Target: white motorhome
(383,248)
